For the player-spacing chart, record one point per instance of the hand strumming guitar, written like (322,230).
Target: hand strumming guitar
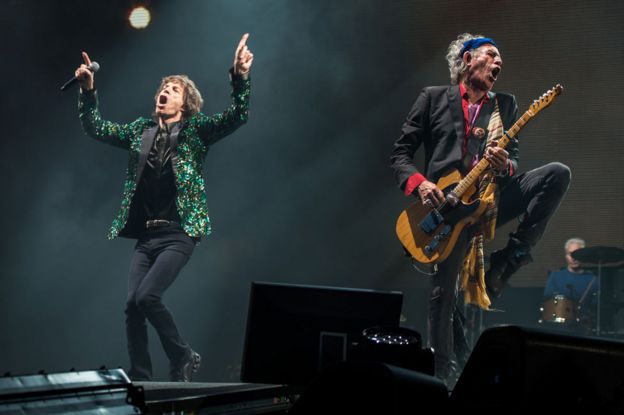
(430,194)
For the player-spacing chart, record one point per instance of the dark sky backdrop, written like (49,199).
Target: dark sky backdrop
(303,192)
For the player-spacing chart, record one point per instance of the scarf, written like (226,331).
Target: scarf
(472,274)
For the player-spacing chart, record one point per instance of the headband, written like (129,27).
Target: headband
(475,43)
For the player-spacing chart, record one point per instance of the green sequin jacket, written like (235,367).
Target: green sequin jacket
(190,142)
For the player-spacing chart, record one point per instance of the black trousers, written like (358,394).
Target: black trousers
(534,196)
(159,255)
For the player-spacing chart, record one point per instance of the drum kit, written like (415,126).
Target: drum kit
(565,312)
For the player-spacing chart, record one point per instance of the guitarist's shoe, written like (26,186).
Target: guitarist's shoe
(503,264)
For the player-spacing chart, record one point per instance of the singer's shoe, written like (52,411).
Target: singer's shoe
(183,372)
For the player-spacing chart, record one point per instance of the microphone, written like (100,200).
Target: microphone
(94,67)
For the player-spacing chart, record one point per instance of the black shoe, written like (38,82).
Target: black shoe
(503,264)
(498,264)
(184,371)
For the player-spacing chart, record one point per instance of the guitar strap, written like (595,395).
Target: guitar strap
(472,274)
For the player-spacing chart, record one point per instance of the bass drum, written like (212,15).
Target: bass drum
(560,310)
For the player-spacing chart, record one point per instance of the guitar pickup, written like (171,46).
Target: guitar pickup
(431,222)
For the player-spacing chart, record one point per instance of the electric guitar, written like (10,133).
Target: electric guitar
(429,234)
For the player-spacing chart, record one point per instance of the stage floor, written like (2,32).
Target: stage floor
(216,398)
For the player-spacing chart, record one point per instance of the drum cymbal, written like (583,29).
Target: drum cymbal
(599,254)
(610,266)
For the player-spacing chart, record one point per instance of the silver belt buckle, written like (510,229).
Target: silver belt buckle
(154,223)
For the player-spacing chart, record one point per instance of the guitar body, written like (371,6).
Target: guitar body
(429,235)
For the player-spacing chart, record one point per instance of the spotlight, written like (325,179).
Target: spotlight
(139,17)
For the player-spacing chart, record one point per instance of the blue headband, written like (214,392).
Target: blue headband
(475,43)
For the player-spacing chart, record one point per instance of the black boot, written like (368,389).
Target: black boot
(503,264)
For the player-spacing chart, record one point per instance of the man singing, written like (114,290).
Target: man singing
(164,201)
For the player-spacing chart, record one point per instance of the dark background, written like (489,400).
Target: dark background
(303,192)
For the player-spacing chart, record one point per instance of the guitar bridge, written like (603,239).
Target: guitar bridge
(433,245)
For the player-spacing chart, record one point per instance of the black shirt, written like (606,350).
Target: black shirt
(157,186)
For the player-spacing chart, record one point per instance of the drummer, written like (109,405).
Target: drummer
(573,282)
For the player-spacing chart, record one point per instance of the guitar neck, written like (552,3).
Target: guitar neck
(471,178)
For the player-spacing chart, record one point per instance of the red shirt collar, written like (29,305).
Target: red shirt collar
(464,94)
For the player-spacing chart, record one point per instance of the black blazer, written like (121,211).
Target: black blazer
(437,121)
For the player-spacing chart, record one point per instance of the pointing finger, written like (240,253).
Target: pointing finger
(87,61)
(242,43)
(243,40)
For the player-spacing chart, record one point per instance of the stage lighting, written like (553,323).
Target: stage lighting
(139,17)
(398,346)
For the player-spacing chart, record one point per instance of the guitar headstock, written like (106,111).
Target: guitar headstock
(546,99)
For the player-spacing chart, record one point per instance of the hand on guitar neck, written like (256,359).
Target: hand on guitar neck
(498,157)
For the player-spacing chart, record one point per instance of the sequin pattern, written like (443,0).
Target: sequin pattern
(197,135)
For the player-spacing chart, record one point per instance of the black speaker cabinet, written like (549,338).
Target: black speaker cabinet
(294,331)
(517,369)
(367,387)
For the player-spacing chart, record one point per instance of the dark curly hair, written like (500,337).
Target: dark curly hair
(192,98)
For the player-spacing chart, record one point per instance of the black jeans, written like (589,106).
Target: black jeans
(159,255)
(535,195)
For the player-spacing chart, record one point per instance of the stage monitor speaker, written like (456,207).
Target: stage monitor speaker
(359,387)
(101,391)
(519,370)
(294,331)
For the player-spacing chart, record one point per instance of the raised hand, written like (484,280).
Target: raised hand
(242,57)
(84,74)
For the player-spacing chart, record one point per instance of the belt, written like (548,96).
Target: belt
(157,223)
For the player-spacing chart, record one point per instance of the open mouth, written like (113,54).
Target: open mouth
(495,73)
(162,99)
